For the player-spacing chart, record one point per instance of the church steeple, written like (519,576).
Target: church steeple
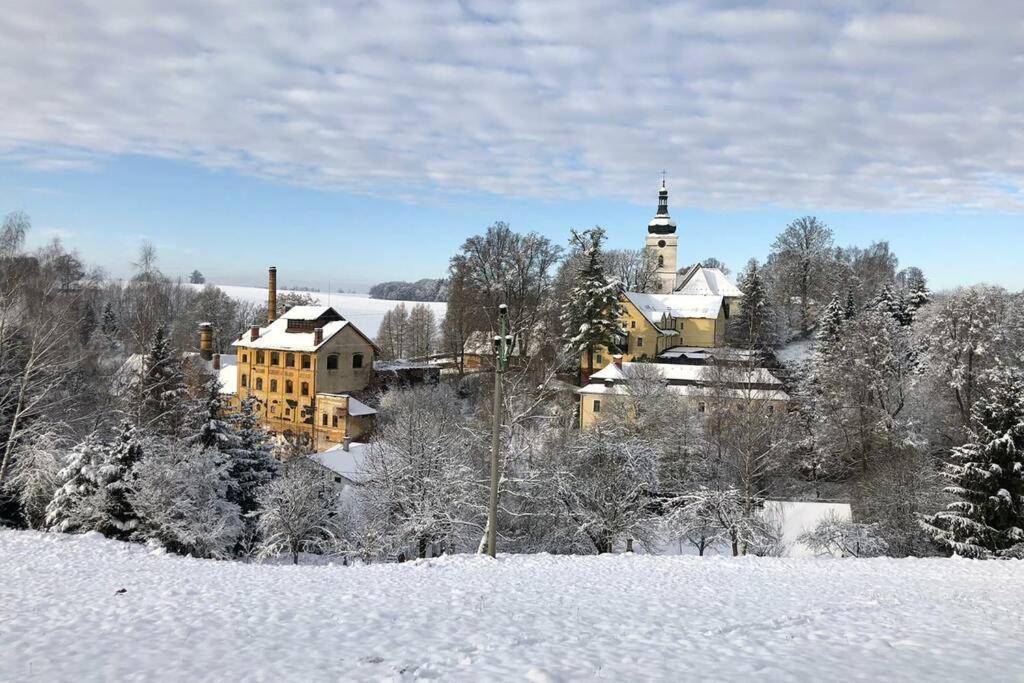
(662,224)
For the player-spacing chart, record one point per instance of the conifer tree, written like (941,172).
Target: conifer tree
(889,302)
(73,507)
(918,295)
(108,322)
(987,475)
(590,316)
(851,305)
(830,326)
(117,518)
(252,462)
(210,427)
(161,404)
(753,326)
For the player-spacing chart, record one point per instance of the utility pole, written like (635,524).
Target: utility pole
(502,348)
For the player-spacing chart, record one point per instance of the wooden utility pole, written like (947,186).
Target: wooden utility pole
(502,348)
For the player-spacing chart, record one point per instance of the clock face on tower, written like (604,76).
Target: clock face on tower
(661,244)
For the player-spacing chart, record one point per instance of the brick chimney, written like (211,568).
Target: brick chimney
(318,336)
(205,341)
(617,358)
(272,295)
(216,361)
(254,333)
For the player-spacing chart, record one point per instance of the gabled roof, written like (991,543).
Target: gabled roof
(673,372)
(700,281)
(654,307)
(348,463)
(308,313)
(276,336)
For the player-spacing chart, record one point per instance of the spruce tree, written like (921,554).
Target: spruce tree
(892,304)
(251,459)
(590,316)
(73,508)
(851,305)
(987,475)
(117,518)
(108,323)
(918,295)
(753,326)
(209,425)
(830,326)
(161,404)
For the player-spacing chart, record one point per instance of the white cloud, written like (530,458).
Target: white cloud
(882,104)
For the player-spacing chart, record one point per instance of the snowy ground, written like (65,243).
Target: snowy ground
(364,312)
(84,608)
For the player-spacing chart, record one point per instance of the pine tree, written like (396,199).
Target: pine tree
(851,305)
(889,302)
(753,326)
(161,393)
(251,459)
(830,326)
(918,295)
(209,426)
(73,507)
(117,518)
(987,475)
(591,314)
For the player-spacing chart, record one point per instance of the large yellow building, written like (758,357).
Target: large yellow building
(301,368)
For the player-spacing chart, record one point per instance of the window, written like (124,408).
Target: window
(305,388)
(632,323)
(334,420)
(273,407)
(245,358)
(639,342)
(337,479)
(306,362)
(661,261)
(275,358)
(245,381)
(289,387)
(357,360)
(332,361)
(702,407)
(771,409)
(273,385)
(599,359)
(289,360)
(259,358)
(597,405)
(259,384)
(726,309)
(287,412)
(325,419)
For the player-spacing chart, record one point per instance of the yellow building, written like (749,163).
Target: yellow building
(702,386)
(301,368)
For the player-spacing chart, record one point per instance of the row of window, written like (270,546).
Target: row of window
(289,386)
(304,359)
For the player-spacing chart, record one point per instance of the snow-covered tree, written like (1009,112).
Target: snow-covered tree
(422,487)
(208,421)
(987,477)
(36,473)
(115,476)
(799,264)
(835,536)
(301,512)
(603,481)
(709,516)
(891,303)
(74,505)
(180,493)
(830,326)
(591,314)
(917,293)
(754,325)
(159,395)
(251,460)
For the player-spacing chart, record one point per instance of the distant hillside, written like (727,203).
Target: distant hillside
(427,289)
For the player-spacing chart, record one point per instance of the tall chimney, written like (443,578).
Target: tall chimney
(318,336)
(254,333)
(272,295)
(216,361)
(205,341)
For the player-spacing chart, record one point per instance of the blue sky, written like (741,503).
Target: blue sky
(364,141)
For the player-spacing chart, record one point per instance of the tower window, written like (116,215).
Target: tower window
(661,261)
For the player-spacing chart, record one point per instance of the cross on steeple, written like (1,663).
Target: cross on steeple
(663,177)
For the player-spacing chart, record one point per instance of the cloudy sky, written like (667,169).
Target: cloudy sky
(237,133)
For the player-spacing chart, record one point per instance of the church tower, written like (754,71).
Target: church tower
(662,243)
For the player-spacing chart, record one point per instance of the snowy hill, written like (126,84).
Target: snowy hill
(88,609)
(364,312)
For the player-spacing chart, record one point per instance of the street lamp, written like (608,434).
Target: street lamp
(502,348)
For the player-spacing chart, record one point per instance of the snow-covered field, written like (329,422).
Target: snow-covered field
(85,608)
(364,312)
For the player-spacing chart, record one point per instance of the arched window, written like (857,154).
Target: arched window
(259,384)
(357,360)
(273,407)
(273,385)
(259,358)
(245,358)
(661,261)
(289,387)
(245,381)
(305,388)
(289,360)
(306,361)
(332,361)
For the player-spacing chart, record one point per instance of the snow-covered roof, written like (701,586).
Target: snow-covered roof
(306,312)
(702,281)
(347,463)
(355,406)
(696,392)
(701,353)
(654,307)
(673,372)
(228,374)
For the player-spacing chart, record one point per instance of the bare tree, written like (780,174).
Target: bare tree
(799,264)
(301,512)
